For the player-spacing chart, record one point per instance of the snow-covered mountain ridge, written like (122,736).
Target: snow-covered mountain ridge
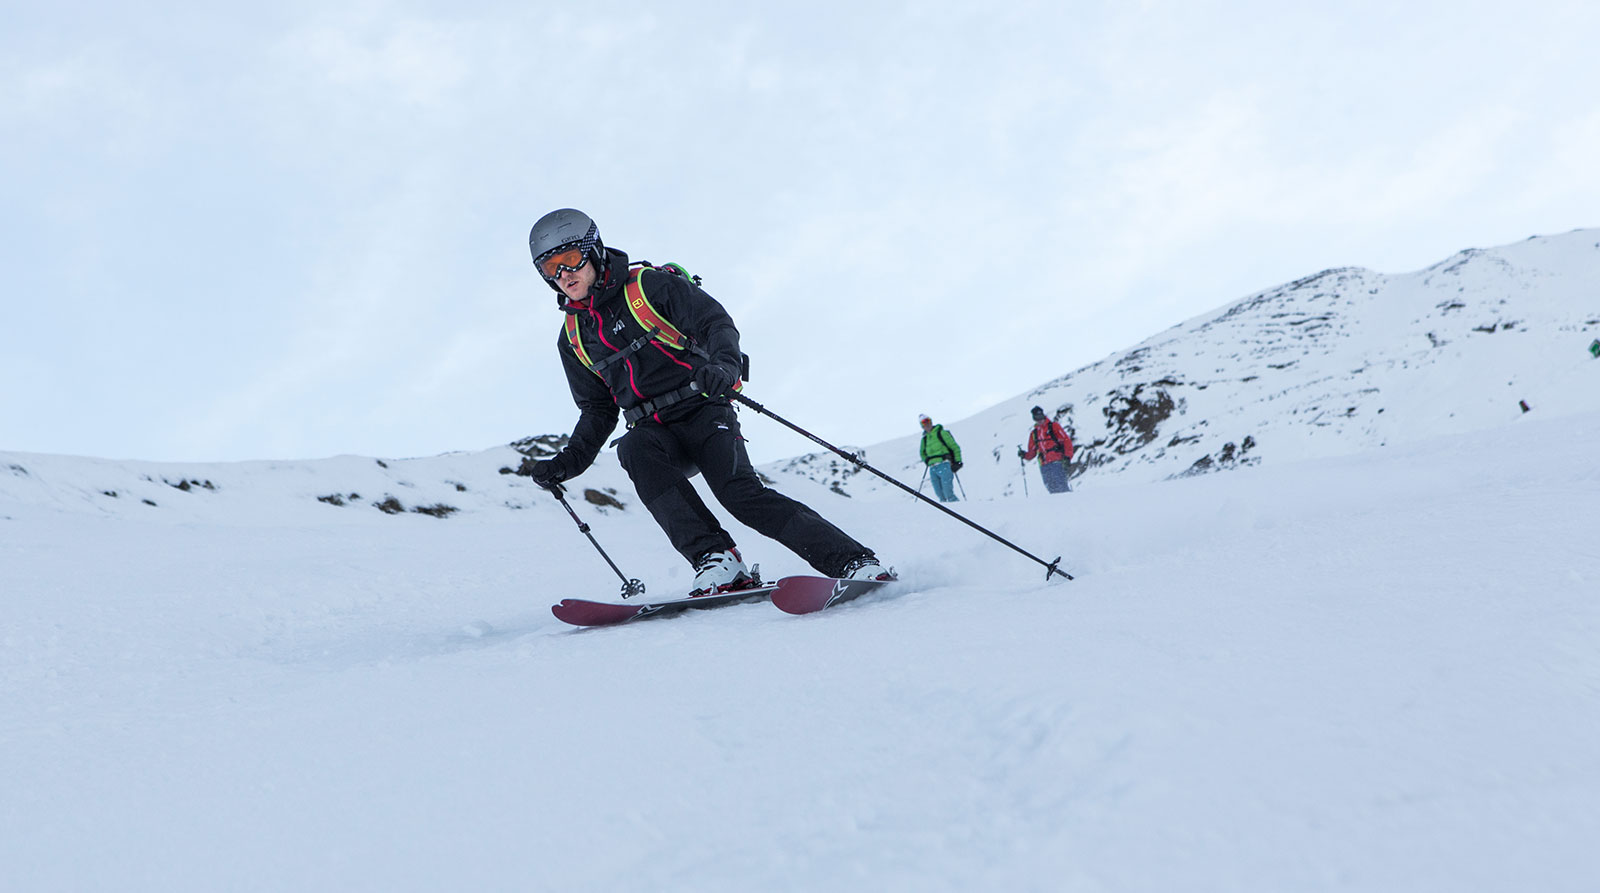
(1336,363)
(1331,364)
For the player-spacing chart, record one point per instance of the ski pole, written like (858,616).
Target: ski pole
(924,480)
(631,587)
(1023,464)
(957,478)
(1050,567)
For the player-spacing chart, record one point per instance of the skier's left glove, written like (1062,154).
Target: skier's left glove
(955,465)
(716,379)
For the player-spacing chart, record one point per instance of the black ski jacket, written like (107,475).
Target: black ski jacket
(606,328)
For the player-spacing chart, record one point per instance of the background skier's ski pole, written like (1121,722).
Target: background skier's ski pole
(1050,567)
(630,587)
(1024,463)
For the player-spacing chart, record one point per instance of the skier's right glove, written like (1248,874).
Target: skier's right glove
(1021,453)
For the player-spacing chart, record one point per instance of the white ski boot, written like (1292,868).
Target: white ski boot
(720,572)
(866,568)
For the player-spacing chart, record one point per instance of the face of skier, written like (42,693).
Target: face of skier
(575,284)
(927,423)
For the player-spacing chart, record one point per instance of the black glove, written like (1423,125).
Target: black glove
(547,473)
(955,465)
(1021,453)
(716,379)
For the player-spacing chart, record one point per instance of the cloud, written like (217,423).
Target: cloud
(338,195)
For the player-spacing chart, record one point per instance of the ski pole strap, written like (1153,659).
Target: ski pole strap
(655,404)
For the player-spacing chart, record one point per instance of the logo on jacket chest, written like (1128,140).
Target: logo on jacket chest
(616,327)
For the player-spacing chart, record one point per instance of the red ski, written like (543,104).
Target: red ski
(582,612)
(805,595)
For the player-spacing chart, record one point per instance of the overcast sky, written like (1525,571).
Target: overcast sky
(293,230)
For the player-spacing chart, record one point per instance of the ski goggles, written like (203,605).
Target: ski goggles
(564,259)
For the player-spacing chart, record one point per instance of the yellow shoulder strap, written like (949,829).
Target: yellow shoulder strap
(571,327)
(645,313)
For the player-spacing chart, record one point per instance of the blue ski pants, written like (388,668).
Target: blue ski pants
(1055,476)
(943,477)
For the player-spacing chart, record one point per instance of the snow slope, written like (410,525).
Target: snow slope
(1371,672)
(1365,662)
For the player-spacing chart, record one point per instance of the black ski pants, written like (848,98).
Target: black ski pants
(660,458)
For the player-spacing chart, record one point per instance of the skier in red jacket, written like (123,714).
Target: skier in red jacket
(1051,444)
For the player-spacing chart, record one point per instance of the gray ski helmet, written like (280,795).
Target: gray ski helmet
(567,226)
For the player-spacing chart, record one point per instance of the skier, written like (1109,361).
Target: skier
(1051,444)
(942,455)
(613,363)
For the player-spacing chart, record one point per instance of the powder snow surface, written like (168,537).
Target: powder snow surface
(1377,671)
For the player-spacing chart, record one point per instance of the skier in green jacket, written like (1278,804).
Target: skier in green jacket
(942,455)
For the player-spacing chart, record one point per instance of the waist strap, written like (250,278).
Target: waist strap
(656,404)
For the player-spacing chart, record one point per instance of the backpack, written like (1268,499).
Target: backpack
(656,326)
(1062,447)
